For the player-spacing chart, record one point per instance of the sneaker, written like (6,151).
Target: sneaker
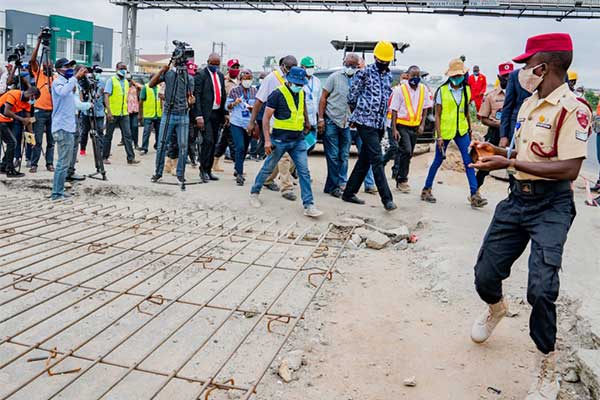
(337,193)
(477,201)
(272,187)
(312,211)
(403,187)
(427,195)
(371,190)
(133,162)
(289,196)
(487,322)
(82,152)
(390,206)
(239,180)
(155,178)
(545,385)
(254,200)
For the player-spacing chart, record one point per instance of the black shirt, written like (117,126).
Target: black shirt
(277,102)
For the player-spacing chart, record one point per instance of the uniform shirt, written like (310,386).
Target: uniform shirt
(277,102)
(399,105)
(312,94)
(63,113)
(13,97)
(492,105)
(537,121)
(230,84)
(240,114)
(338,87)
(44,102)
(369,95)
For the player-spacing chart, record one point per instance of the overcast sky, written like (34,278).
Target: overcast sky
(250,36)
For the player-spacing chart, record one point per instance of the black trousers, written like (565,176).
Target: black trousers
(225,141)
(493,137)
(369,156)
(545,221)
(7,136)
(123,123)
(86,126)
(406,147)
(209,141)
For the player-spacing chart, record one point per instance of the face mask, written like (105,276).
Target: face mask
(233,73)
(476,73)
(528,80)
(213,68)
(296,88)
(310,71)
(349,71)
(31,101)
(69,73)
(97,76)
(122,73)
(457,80)
(247,83)
(381,67)
(414,81)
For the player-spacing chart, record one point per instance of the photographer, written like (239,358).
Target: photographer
(178,96)
(96,96)
(80,106)
(42,109)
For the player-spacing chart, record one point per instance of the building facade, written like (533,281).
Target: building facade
(72,38)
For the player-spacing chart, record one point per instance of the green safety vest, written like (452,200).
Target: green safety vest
(296,120)
(117,100)
(453,120)
(152,106)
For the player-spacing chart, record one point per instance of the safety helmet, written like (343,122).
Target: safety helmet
(572,75)
(384,51)
(307,62)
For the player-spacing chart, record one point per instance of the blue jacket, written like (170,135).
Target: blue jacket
(515,95)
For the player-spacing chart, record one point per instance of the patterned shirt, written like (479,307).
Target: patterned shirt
(369,93)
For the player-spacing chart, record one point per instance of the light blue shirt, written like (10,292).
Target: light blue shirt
(63,101)
(456,93)
(312,94)
(109,83)
(240,114)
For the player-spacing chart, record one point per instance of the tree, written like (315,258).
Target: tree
(592,99)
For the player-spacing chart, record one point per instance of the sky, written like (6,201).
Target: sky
(250,36)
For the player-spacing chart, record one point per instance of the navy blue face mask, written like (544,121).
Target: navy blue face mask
(69,73)
(213,68)
(414,81)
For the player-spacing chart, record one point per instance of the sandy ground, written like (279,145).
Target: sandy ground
(390,314)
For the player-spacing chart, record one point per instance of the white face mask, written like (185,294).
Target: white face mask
(528,80)
(349,71)
(310,71)
(247,83)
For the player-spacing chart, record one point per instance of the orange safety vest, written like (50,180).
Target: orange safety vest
(414,116)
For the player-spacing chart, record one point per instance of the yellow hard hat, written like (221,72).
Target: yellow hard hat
(572,75)
(384,51)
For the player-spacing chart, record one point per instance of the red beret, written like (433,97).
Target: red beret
(505,68)
(232,62)
(547,42)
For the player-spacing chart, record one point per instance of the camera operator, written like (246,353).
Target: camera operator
(96,96)
(178,97)
(64,124)
(42,109)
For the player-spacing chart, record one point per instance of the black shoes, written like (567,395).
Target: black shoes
(155,178)
(204,177)
(337,193)
(239,180)
(14,174)
(272,187)
(390,206)
(75,177)
(352,199)
(212,177)
(133,162)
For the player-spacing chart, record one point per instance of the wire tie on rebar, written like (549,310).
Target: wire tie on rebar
(209,391)
(28,279)
(320,251)
(284,319)
(8,230)
(97,248)
(52,355)
(328,275)
(154,299)
(135,228)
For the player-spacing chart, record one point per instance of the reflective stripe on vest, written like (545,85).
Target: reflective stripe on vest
(296,120)
(453,119)
(118,99)
(152,105)
(279,77)
(414,116)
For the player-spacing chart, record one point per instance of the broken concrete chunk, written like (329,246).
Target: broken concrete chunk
(294,359)
(401,245)
(362,232)
(284,372)
(410,381)
(399,233)
(376,240)
(349,223)
(571,376)
(589,364)
(356,239)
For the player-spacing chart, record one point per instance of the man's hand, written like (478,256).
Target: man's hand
(251,126)
(268,147)
(485,149)
(491,163)
(191,100)
(81,73)
(110,117)
(420,130)
(440,143)
(200,123)
(307,126)
(237,101)
(227,122)
(165,68)
(504,142)
(321,126)
(395,133)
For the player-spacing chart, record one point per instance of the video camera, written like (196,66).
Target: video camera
(46,35)
(88,82)
(18,51)
(182,53)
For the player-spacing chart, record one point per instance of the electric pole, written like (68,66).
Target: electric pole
(221,45)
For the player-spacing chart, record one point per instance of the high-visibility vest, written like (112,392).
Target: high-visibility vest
(279,77)
(453,120)
(296,120)
(117,100)
(415,115)
(152,106)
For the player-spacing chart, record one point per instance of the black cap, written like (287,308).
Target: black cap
(63,62)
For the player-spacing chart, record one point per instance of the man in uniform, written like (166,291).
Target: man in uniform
(490,113)
(549,147)
(478,84)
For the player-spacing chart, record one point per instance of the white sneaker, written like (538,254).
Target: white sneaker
(487,322)
(312,211)
(545,386)
(254,200)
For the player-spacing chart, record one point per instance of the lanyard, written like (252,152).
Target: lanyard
(311,86)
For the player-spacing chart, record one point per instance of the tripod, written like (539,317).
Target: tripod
(90,95)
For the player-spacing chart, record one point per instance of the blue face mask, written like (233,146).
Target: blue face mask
(24,74)
(122,73)
(295,88)
(69,73)
(213,68)
(414,81)
(457,80)
(476,73)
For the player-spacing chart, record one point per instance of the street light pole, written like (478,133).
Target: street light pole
(72,50)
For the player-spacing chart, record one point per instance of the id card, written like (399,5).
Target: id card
(245,113)
(499,115)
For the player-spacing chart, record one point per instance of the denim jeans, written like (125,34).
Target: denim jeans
(134,127)
(149,124)
(73,159)
(297,149)
(463,143)
(123,123)
(43,122)
(179,124)
(369,179)
(336,142)
(241,140)
(64,142)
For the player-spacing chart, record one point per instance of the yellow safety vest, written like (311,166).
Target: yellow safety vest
(152,104)
(279,77)
(453,119)
(296,120)
(414,116)
(118,99)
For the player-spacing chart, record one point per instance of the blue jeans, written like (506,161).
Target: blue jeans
(241,141)
(43,122)
(149,124)
(336,142)
(180,125)
(463,143)
(64,142)
(370,179)
(297,150)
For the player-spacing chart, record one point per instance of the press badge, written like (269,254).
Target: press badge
(498,115)
(245,113)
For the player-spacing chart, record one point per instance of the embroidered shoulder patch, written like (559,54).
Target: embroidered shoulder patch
(583,119)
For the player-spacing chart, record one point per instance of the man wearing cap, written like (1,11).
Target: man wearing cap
(312,92)
(368,98)
(288,108)
(572,79)
(490,113)
(550,144)
(478,84)
(64,124)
